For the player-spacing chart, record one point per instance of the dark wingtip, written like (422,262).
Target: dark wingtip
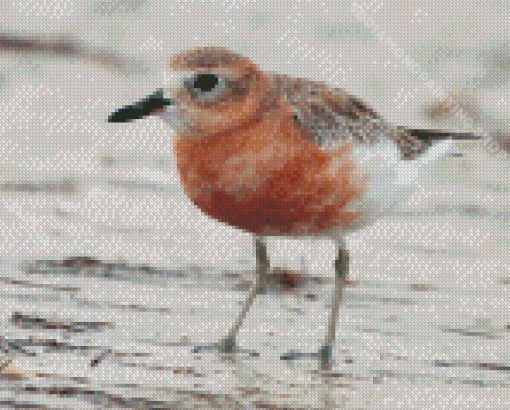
(430,135)
(466,136)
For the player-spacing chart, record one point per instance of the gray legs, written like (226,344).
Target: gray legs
(228,343)
(341,273)
(325,352)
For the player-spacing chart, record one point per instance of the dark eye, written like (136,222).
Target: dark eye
(205,86)
(205,82)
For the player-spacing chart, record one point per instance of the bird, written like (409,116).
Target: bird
(274,155)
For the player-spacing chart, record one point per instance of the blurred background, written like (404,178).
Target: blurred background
(73,184)
(65,65)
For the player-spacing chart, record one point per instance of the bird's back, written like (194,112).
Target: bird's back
(331,116)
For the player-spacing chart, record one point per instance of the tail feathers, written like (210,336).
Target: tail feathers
(433,135)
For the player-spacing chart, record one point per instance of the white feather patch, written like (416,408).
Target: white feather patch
(390,179)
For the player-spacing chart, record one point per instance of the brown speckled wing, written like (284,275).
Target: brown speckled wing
(332,117)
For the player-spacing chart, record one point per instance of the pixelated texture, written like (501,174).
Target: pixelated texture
(130,273)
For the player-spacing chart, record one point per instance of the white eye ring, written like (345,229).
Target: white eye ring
(205,86)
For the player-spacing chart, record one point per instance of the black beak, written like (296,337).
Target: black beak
(147,106)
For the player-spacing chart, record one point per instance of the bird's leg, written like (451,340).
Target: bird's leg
(260,286)
(325,353)
(228,343)
(341,273)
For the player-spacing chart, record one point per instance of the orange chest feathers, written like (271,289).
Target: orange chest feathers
(269,180)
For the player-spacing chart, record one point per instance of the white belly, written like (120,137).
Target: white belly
(391,180)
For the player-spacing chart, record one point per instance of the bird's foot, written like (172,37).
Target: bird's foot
(227,346)
(324,356)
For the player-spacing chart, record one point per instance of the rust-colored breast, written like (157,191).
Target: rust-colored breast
(268,179)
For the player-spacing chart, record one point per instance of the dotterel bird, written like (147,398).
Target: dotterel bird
(275,155)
